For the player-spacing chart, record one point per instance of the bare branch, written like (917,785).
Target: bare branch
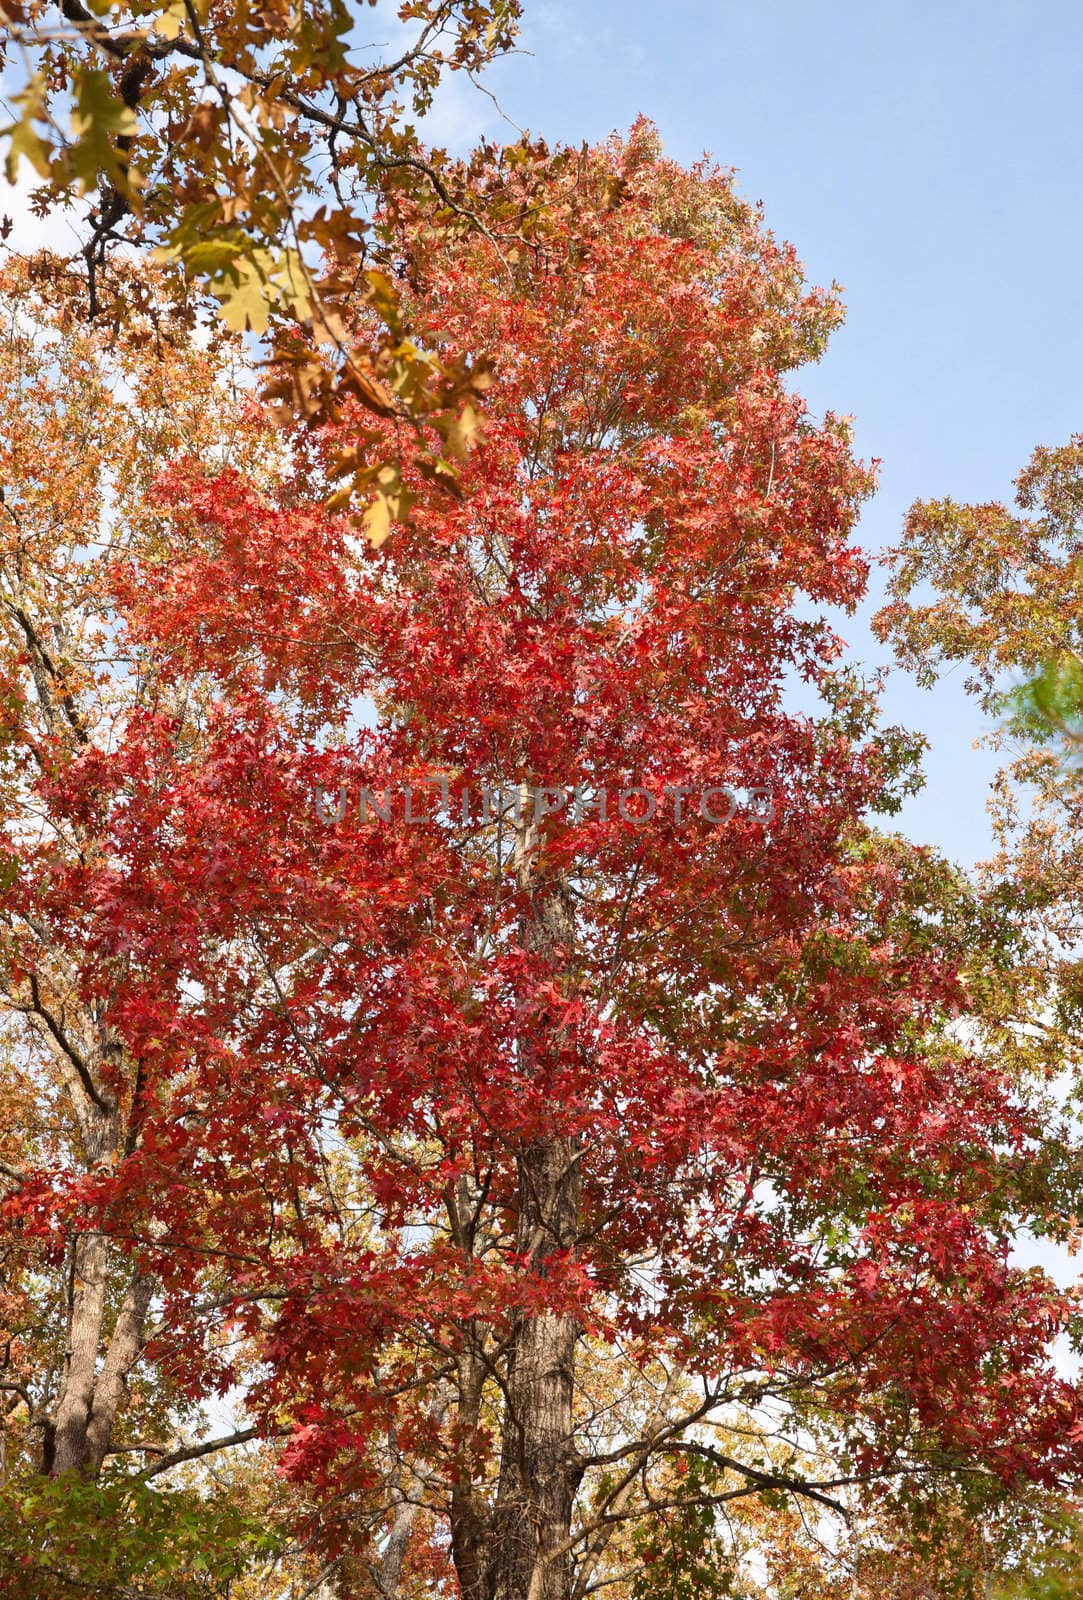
(192,1452)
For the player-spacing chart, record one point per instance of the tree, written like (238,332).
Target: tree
(1005,599)
(997,588)
(1050,1565)
(256,150)
(89,1418)
(553,1075)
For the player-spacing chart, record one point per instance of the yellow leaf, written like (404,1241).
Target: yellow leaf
(98,119)
(23,139)
(253,283)
(382,297)
(209,255)
(377,522)
(172,21)
(462,432)
(290,276)
(392,504)
(243,297)
(97,111)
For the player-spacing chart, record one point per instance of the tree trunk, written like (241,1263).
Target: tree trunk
(91,1395)
(124,1349)
(89,1274)
(86,1308)
(471,1520)
(95,1375)
(539,1469)
(387,1572)
(515,1550)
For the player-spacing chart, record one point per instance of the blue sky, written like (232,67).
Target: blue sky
(927,156)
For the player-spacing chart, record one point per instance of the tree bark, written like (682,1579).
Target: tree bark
(95,1375)
(471,1519)
(89,1271)
(387,1572)
(86,1309)
(539,1468)
(123,1352)
(91,1396)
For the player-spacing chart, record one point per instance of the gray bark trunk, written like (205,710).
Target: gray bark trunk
(388,1570)
(70,1449)
(539,1470)
(470,1516)
(120,1357)
(95,1375)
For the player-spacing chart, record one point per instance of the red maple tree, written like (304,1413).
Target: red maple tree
(531,1045)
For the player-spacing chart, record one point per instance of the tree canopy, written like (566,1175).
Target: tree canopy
(461,1010)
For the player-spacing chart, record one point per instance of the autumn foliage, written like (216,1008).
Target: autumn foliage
(541,1180)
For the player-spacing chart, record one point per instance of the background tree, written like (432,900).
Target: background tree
(472,1108)
(88,1418)
(252,147)
(1050,1564)
(999,590)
